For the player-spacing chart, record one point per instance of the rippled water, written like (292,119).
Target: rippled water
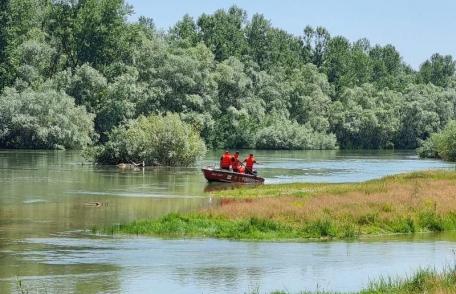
(47,198)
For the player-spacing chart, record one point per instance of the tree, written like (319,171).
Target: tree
(88,87)
(185,32)
(44,119)
(186,76)
(438,70)
(308,92)
(17,18)
(61,25)
(119,103)
(148,26)
(386,66)
(285,51)
(100,32)
(337,59)
(4,20)
(426,110)
(156,140)
(233,83)
(235,124)
(360,66)
(34,58)
(316,41)
(282,134)
(441,144)
(364,117)
(258,39)
(223,32)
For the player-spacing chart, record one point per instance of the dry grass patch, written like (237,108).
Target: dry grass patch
(423,201)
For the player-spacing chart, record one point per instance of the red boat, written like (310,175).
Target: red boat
(227,176)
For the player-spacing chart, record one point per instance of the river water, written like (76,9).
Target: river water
(49,199)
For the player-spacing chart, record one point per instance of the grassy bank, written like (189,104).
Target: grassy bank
(424,281)
(408,203)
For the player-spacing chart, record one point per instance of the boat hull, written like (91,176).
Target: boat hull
(226,176)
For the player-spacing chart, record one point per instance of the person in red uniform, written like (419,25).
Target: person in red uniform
(249,161)
(225,160)
(236,163)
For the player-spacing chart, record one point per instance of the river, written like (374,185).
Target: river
(49,199)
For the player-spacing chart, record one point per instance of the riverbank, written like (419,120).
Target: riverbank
(407,203)
(424,281)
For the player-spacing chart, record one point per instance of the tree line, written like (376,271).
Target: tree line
(74,73)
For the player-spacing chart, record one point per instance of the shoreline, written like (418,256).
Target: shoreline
(426,280)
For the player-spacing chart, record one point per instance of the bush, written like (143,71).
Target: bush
(291,135)
(441,145)
(427,149)
(44,119)
(156,140)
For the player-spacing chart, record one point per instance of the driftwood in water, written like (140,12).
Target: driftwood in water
(132,165)
(93,204)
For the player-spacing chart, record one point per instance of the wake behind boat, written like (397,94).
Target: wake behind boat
(226,176)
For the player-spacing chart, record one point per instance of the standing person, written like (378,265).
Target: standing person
(249,161)
(225,160)
(236,163)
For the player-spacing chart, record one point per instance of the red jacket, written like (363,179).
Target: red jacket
(235,163)
(249,161)
(225,161)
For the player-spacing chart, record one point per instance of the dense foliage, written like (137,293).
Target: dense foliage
(283,134)
(156,140)
(238,81)
(43,119)
(441,144)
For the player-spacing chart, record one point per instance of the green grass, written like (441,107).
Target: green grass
(176,225)
(424,281)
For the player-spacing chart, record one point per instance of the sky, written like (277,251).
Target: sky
(417,28)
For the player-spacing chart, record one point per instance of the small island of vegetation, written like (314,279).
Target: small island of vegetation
(154,140)
(408,203)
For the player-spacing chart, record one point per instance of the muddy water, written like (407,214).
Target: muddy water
(47,198)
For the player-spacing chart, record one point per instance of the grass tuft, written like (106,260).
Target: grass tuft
(424,281)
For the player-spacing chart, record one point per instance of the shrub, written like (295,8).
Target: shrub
(441,145)
(427,149)
(156,140)
(44,119)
